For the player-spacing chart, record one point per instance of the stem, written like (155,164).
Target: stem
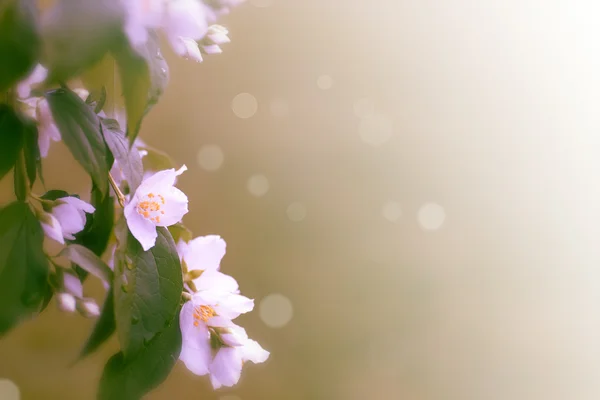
(120,196)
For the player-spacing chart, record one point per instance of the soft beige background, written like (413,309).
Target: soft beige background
(490,109)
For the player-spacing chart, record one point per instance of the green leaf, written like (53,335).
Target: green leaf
(11,138)
(19,40)
(96,99)
(130,379)
(104,328)
(56,194)
(98,228)
(77,34)
(33,158)
(148,286)
(180,232)
(156,160)
(127,158)
(144,75)
(21,183)
(23,265)
(80,130)
(87,260)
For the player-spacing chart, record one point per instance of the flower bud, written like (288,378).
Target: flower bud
(88,308)
(66,302)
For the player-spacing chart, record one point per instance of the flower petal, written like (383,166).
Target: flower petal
(159,182)
(196,360)
(252,351)
(70,219)
(227,366)
(205,252)
(215,280)
(53,229)
(72,284)
(194,336)
(142,229)
(186,48)
(175,207)
(79,204)
(232,305)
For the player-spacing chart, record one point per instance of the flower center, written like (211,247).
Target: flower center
(203,313)
(150,207)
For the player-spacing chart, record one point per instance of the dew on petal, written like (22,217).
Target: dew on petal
(392,211)
(364,107)
(9,390)
(375,129)
(244,105)
(431,216)
(296,212)
(210,157)
(324,82)
(261,3)
(279,108)
(276,310)
(258,185)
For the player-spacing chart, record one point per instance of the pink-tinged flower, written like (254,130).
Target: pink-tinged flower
(156,202)
(183,21)
(66,218)
(204,253)
(72,289)
(37,76)
(38,109)
(202,320)
(226,367)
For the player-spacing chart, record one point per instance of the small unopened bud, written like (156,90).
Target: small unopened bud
(66,302)
(88,308)
(212,49)
(217,34)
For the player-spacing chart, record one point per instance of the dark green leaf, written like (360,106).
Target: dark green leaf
(98,228)
(130,379)
(104,328)
(87,260)
(144,76)
(128,159)
(148,286)
(56,194)
(33,159)
(79,33)
(23,265)
(11,138)
(19,40)
(80,130)
(20,179)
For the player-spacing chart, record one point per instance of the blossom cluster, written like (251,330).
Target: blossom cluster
(134,205)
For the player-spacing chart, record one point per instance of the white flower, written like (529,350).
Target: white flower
(156,202)
(204,253)
(211,343)
(202,319)
(66,219)
(37,76)
(183,21)
(226,368)
(72,290)
(38,109)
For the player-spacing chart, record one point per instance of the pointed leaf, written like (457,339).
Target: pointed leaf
(20,179)
(128,159)
(104,328)
(147,289)
(144,75)
(23,265)
(88,261)
(19,40)
(11,138)
(131,379)
(33,158)
(80,130)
